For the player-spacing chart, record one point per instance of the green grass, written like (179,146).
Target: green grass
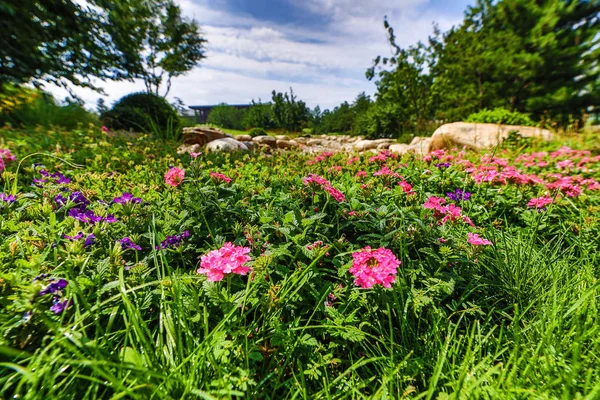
(516,320)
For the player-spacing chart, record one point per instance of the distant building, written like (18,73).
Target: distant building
(201,112)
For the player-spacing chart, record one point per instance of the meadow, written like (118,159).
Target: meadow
(128,271)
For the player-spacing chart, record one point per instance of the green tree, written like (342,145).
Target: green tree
(259,115)
(226,116)
(288,112)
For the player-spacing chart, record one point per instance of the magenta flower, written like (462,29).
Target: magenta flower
(220,177)
(539,202)
(229,259)
(374,267)
(326,185)
(59,306)
(477,240)
(127,198)
(174,176)
(104,129)
(336,194)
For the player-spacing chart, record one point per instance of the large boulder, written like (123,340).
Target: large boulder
(420,145)
(363,145)
(399,148)
(202,135)
(286,144)
(265,140)
(243,138)
(188,148)
(480,136)
(225,144)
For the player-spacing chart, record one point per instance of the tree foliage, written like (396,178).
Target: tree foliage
(68,41)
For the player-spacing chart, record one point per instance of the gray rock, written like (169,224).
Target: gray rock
(225,144)
(267,140)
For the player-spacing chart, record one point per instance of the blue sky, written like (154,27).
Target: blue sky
(320,48)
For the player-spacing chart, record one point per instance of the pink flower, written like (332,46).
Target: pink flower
(406,187)
(220,177)
(434,203)
(352,160)
(229,259)
(385,171)
(174,176)
(336,194)
(361,174)
(194,155)
(104,129)
(313,178)
(374,267)
(539,202)
(477,240)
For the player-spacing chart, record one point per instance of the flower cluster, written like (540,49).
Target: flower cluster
(326,185)
(173,240)
(5,155)
(7,198)
(220,177)
(323,156)
(374,267)
(458,195)
(89,240)
(55,288)
(88,216)
(174,176)
(476,240)
(127,198)
(539,202)
(229,259)
(385,171)
(127,243)
(445,213)
(55,177)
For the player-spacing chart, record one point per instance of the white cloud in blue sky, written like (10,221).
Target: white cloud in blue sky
(320,48)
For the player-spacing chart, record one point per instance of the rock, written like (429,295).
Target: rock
(248,144)
(225,144)
(243,138)
(399,148)
(263,139)
(420,145)
(315,142)
(286,144)
(363,145)
(480,136)
(282,137)
(186,148)
(383,146)
(202,135)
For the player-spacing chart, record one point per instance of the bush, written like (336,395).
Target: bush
(259,115)
(26,107)
(144,112)
(501,116)
(257,132)
(227,117)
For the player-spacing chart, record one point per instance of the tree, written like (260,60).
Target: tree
(171,45)
(57,41)
(69,41)
(226,116)
(288,112)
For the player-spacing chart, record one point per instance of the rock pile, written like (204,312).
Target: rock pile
(457,134)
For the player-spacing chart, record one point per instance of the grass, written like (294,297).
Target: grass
(515,320)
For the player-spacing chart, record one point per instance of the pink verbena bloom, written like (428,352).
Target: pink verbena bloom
(374,267)
(434,203)
(385,171)
(195,155)
(336,194)
(313,178)
(220,177)
(7,155)
(229,259)
(1,165)
(477,240)
(406,187)
(539,202)
(104,129)
(174,176)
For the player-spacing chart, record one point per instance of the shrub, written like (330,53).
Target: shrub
(227,117)
(259,115)
(25,107)
(144,112)
(257,132)
(501,116)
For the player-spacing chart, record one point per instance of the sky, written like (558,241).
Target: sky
(320,48)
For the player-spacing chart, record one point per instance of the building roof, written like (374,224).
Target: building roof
(215,105)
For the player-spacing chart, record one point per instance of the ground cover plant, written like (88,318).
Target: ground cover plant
(128,271)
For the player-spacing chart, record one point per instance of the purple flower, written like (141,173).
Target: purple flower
(76,237)
(442,165)
(7,198)
(459,195)
(78,198)
(173,240)
(127,198)
(59,306)
(40,277)
(127,243)
(84,215)
(110,219)
(89,241)
(54,287)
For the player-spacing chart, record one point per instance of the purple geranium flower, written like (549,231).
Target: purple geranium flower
(127,198)
(54,287)
(84,215)
(459,195)
(127,243)
(76,237)
(7,198)
(442,165)
(59,306)
(89,241)
(110,219)
(173,240)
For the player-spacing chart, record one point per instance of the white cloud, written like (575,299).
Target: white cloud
(248,58)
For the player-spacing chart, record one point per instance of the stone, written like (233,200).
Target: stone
(264,139)
(399,148)
(420,145)
(286,144)
(363,145)
(202,135)
(226,145)
(480,136)
(243,138)
(316,142)
(186,148)
(282,137)
(383,146)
